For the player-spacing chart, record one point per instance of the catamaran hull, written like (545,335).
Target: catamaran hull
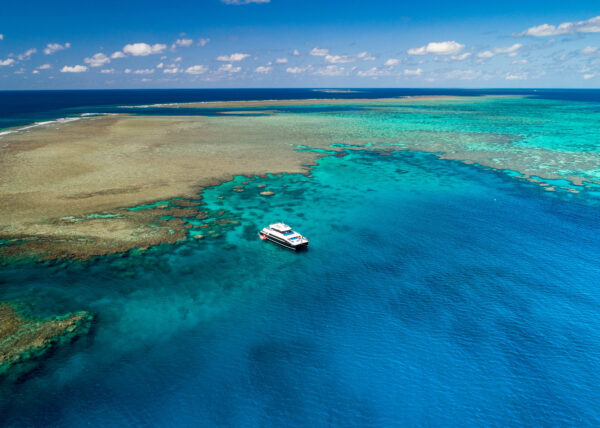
(283,243)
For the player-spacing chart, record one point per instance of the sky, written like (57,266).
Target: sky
(289,43)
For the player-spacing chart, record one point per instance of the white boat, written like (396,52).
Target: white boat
(283,235)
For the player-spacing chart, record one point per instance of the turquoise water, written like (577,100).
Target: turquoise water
(434,292)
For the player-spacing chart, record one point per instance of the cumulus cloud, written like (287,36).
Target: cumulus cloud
(74,69)
(414,72)
(117,54)
(240,2)
(516,76)
(263,69)
(44,67)
(589,50)
(55,47)
(203,42)
(144,71)
(365,56)
(160,65)
(182,43)
(35,72)
(319,52)
(591,25)
(107,71)
(172,69)
(196,69)
(392,62)
(235,57)
(97,60)
(143,49)
(342,59)
(296,52)
(510,50)
(590,76)
(297,70)
(27,54)
(438,48)
(229,68)
(7,61)
(281,60)
(339,59)
(373,72)
(461,57)
(331,70)
(1,36)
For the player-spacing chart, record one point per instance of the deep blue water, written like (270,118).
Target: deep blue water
(433,294)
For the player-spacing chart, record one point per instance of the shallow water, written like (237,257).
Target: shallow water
(433,293)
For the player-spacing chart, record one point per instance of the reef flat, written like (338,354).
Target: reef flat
(23,338)
(66,188)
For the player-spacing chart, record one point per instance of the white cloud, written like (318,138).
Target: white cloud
(107,71)
(97,60)
(296,52)
(438,48)
(510,50)
(144,71)
(319,52)
(520,61)
(27,54)
(331,70)
(372,72)
(339,59)
(239,2)
(143,49)
(229,68)
(516,76)
(591,25)
(203,42)
(365,56)
(590,76)
(160,65)
(183,43)
(127,70)
(297,70)
(263,69)
(44,67)
(35,72)
(342,59)
(55,47)
(171,70)
(178,59)
(588,50)
(415,72)
(391,62)
(281,60)
(461,57)
(233,57)
(7,61)
(73,69)
(1,36)
(196,69)
(117,54)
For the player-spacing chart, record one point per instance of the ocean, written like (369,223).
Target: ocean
(435,292)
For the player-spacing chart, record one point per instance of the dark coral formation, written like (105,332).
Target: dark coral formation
(23,338)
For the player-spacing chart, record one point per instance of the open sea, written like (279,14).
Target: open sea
(434,292)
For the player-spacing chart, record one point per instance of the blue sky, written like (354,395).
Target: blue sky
(286,43)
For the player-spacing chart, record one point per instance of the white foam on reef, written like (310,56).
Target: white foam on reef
(53,122)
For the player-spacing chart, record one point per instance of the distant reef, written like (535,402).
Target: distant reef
(23,338)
